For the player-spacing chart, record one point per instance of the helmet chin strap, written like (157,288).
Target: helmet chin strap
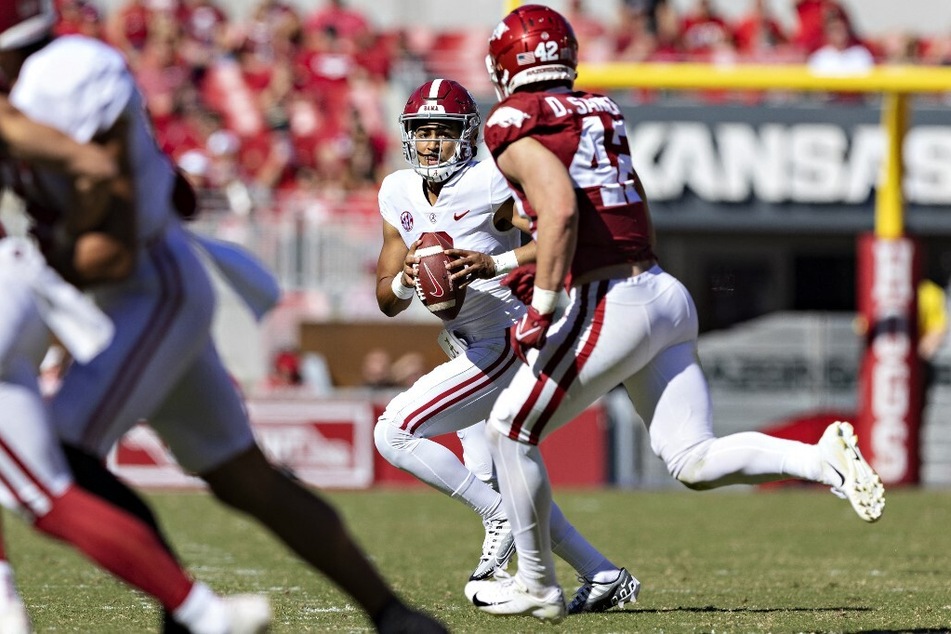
(439,174)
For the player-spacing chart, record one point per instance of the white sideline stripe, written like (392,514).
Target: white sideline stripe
(427,251)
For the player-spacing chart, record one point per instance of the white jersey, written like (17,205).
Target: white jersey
(464,210)
(162,365)
(82,87)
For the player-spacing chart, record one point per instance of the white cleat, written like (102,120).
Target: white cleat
(14,619)
(860,485)
(507,596)
(497,548)
(600,597)
(248,613)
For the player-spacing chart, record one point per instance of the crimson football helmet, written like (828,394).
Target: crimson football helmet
(23,22)
(532,44)
(443,101)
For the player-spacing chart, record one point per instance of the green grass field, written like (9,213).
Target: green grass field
(792,560)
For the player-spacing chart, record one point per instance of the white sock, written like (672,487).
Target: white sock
(438,467)
(751,458)
(805,462)
(526,496)
(480,497)
(203,611)
(606,576)
(8,588)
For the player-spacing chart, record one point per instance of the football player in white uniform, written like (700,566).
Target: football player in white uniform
(35,480)
(447,190)
(147,276)
(565,154)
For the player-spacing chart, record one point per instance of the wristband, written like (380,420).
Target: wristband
(544,301)
(505,262)
(401,292)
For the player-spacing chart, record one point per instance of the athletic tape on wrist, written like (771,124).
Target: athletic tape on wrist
(544,300)
(402,292)
(505,262)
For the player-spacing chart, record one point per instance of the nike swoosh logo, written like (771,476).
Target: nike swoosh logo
(437,289)
(479,603)
(840,474)
(460,216)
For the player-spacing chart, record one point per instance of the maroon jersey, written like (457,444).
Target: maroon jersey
(586,132)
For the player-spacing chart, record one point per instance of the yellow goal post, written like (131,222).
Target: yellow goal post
(894,82)
(887,422)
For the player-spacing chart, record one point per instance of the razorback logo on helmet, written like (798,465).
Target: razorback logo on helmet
(499,31)
(507,116)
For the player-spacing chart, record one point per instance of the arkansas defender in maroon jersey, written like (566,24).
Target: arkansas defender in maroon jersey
(565,154)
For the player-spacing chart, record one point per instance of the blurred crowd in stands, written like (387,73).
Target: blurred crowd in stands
(288,107)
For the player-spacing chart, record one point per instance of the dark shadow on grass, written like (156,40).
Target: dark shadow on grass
(712,608)
(917,630)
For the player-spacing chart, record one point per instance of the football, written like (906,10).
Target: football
(433,285)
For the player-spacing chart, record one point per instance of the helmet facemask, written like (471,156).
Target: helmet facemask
(462,133)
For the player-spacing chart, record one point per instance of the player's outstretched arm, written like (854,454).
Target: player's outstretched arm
(31,141)
(98,241)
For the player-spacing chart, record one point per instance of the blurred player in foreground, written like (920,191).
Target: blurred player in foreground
(144,270)
(565,154)
(34,478)
(447,190)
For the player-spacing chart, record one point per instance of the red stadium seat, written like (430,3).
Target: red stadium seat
(460,55)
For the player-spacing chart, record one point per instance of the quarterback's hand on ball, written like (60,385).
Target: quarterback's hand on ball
(469,265)
(522,282)
(410,267)
(529,331)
